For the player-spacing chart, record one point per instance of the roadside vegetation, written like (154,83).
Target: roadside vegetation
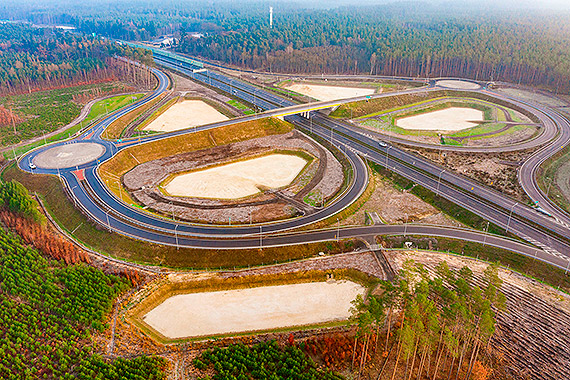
(127,159)
(242,107)
(456,212)
(50,309)
(528,266)
(552,176)
(61,209)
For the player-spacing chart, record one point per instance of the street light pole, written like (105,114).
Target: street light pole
(108,224)
(406,225)
(338,230)
(510,215)
(387,157)
(549,184)
(486,233)
(176,235)
(438,182)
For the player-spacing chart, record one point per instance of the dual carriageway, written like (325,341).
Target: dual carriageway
(549,235)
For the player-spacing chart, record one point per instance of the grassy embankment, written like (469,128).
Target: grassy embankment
(217,283)
(548,174)
(242,107)
(444,99)
(45,111)
(98,111)
(63,212)
(389,122)
(116,129)
(112,170)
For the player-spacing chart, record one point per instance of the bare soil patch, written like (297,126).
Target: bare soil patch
(254,309)
(397,206)
(449,119)
(239,179)
(324,93)
(496,170)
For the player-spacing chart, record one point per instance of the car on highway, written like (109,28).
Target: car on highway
(32,165)
(382,144)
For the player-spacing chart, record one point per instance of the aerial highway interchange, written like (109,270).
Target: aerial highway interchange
(549,235)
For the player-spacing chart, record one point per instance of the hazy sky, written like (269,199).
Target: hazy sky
(505,4)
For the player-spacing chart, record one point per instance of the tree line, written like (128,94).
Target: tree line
(396,41)
(33,59)
(443,321)
(391,39)
(51,301)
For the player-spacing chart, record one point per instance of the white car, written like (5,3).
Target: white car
(32,165)
(382,144)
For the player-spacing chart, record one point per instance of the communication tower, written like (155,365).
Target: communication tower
(271,17)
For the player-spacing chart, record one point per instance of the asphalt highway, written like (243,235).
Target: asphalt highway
(94,198)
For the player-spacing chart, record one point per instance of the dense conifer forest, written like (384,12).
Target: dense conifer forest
(409,39)
(50,308)
(33,59)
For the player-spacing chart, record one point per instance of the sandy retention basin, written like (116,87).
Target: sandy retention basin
(324,93)
(253,309)
(447,120)
(238,179)
(185,114)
